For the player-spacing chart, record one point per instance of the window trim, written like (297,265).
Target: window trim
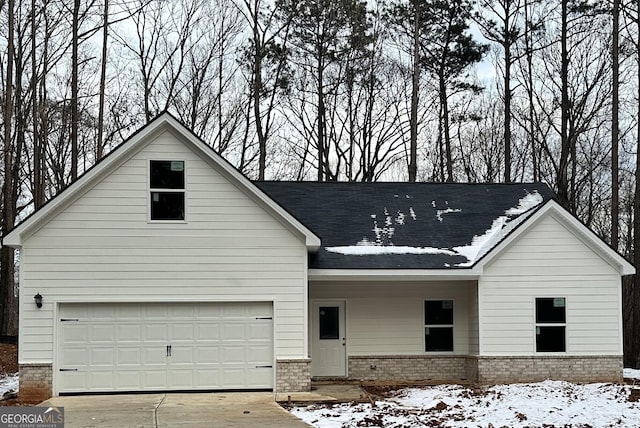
(150,190)
(537,324)
(425,325)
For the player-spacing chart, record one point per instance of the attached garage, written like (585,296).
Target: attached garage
(105,347)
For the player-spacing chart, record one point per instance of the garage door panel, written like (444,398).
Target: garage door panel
(207,331)
(233,355)
(123,347)
(154,378)
(154,355)
(101,378)
(102,357)
(257,354)
(128,379)
(183,355)
(181,378)
(102,333)
(129,332)
(181,332)
(128,356)
(260,376)
(154,333)
(182,311)
(75,334)
(155,312)
(74,358)
(261,330)
(76,381)
(233,332)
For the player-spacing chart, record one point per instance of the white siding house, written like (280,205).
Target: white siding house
(164,268)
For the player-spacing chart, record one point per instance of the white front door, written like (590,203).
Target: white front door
(329,348)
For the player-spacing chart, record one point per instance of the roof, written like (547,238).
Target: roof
(165,122)
(413,225)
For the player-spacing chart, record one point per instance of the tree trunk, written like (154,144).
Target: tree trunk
(257,92)
(633,304)
(531,109)
(442,92)
(74,89)
(38,185)
(7,266)
(415,89)
(507,99)
(103,78)
(615,181)
(321,116)
(562,181)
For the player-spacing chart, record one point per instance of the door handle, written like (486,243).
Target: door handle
(168,351)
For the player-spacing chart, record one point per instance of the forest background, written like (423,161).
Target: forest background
(348,90)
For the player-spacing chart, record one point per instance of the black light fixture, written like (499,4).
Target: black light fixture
(38,299)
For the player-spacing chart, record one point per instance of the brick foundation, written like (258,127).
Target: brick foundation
(293,375)
(535,369)
(486,370)
(410,367)
(36,382)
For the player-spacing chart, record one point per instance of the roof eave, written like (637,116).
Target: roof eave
(394,274)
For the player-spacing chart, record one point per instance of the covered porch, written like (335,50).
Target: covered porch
(394,329)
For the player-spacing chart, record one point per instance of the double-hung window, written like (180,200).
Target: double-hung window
(551,324)
(167,190)
(438,325)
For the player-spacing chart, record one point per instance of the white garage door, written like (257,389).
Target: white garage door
(164,346)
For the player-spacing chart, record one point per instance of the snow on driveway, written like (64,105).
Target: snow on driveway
(544,404)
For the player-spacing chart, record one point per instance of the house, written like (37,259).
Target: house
(164,268)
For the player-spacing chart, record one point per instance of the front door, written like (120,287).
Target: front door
(329,348)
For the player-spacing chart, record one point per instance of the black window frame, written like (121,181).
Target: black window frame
(172,192)
(442,323)
(550,324)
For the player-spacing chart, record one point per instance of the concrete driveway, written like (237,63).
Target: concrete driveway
(235,409)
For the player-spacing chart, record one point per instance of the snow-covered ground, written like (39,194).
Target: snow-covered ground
(544,404)
(8,383)
(632,374)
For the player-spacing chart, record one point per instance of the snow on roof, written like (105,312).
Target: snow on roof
(478,247)
(372,249)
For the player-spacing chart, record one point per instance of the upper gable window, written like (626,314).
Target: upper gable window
(167,191)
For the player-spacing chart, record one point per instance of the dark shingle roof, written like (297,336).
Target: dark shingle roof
(415,225)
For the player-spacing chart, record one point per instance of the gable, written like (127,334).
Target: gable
(161,131)
(115,210)
(551,238)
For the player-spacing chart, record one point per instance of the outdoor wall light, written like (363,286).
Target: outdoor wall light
(38,299)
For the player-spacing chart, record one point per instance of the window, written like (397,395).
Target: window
(438,325)
(167,190)
(551,324)
(329,323)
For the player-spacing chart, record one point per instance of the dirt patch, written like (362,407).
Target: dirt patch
(8,358)
(9,366)
(634,395)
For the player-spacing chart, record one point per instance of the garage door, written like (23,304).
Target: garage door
(164,346)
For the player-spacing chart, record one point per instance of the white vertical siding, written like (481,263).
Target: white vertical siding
(388,318)
(549,261)
(102,248)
